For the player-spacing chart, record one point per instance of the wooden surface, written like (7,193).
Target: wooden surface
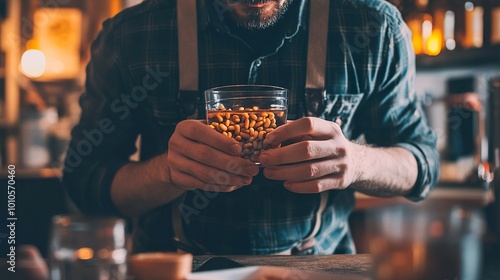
(359,266)
(339,264)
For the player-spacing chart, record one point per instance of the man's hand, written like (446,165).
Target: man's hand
(317,157)
(201,158)
(198,158)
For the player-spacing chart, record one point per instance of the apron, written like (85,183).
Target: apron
(187,23)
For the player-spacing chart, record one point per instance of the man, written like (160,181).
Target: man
(299,202)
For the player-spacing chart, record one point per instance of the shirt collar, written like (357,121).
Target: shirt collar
(212,13)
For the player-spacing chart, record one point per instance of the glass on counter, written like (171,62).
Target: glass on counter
(84,248)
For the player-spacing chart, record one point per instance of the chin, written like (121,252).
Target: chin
(256,17)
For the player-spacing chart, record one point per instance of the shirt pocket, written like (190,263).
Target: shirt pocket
(341,107)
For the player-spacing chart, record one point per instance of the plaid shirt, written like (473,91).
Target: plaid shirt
(132,89)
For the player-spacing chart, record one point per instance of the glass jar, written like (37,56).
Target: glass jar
(247,113)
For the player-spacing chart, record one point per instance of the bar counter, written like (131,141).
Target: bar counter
(352,267)
(359,265)
(355,267)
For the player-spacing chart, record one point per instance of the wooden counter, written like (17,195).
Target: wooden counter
(359,265)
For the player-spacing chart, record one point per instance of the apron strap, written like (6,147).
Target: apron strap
(317,46)
(187,29)
(315,94)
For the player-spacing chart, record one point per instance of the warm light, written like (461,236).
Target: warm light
(33,44)
(417,44)
(422,3)
(85,253)
(419,254)
(115,6)
(428,38)
(33,63)
(416,30)
(57,32)
(433,44)
(57,67)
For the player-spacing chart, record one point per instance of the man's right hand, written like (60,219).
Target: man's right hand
(198,158)
(201,158)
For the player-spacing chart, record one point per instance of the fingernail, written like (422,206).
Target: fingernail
(235,149)
(247,181)
(252,170)
(264,159)
(270,138)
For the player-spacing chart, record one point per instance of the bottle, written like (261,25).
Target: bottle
(420,23)
(444,23)
(436,41)
(450,42)
(474,24)
(495,22)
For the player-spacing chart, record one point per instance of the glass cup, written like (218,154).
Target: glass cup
(428,241)
(247,113)
(87,248)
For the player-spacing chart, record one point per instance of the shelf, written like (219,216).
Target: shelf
(460,58)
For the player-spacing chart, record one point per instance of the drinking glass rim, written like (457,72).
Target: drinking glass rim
(246,87)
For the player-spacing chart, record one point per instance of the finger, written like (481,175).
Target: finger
(296,140)
(331,182)
(221,188)
(230,175)
(186,181)
(315,128)
(305,171)
(202,133)
(207,155)
(301,151)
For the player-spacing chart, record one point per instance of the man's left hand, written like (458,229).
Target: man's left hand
(314,157)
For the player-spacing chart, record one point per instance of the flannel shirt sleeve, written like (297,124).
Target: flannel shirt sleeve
(394,112)
(104,139)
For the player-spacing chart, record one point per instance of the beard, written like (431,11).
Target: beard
(254,18)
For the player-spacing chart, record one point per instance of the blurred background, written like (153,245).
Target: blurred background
(44,48)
